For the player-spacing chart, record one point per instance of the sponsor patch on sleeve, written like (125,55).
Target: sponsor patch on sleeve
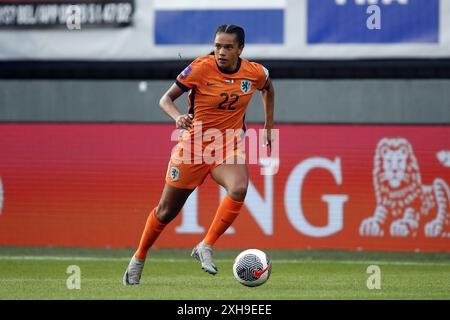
(185,72)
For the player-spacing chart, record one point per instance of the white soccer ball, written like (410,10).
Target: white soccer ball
(252,267)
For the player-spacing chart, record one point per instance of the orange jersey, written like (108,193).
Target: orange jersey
(219,98)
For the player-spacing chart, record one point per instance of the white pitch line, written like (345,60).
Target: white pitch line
(288,261)
(61,258)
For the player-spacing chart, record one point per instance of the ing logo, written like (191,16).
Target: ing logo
(402,200)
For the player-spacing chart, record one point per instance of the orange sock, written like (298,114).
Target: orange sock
(151,232)
(225,215)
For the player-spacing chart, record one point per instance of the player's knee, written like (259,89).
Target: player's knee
(238,191)
(164,213)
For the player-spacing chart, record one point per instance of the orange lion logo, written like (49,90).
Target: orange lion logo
(401,197)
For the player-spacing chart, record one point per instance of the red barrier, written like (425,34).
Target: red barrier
(338,187)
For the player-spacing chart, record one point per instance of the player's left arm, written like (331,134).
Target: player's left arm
(268,100)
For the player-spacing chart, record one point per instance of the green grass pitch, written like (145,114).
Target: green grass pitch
(40,273)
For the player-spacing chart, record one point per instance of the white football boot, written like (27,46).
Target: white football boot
(203,253)
(133,273)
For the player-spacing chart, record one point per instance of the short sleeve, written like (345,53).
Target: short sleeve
(263,76)
(190,76)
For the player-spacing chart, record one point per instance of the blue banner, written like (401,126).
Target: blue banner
(333,21)
(262,26)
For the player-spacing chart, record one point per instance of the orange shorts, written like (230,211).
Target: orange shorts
(191,175)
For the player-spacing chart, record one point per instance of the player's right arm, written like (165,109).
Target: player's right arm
(186,80)
(167,104)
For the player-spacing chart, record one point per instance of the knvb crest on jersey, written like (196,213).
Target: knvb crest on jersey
(246,86)
(174,173)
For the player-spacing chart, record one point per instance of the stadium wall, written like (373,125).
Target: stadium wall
(298,101)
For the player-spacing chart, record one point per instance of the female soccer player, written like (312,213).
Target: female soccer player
(221,85)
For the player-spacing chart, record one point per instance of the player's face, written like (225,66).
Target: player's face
(227,50)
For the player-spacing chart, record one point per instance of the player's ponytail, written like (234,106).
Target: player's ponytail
(232,29)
